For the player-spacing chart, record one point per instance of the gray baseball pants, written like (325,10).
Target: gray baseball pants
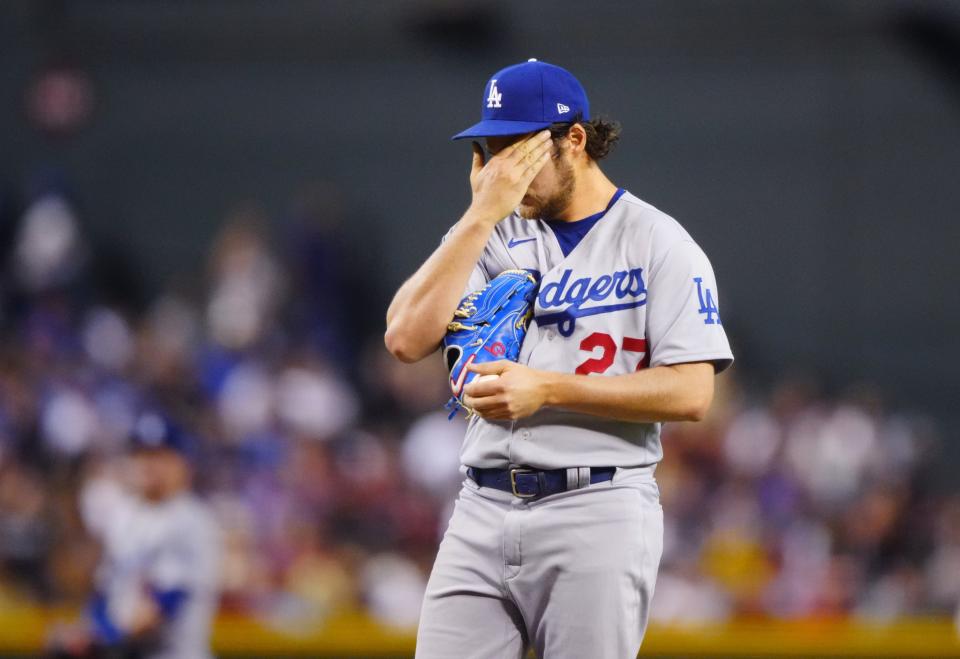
(571,574)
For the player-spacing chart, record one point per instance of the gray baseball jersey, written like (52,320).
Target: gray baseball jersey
(636,291)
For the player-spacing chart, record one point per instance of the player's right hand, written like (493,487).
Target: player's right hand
(499,184)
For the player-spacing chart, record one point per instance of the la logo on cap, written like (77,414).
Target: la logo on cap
(493,100)
(537,95)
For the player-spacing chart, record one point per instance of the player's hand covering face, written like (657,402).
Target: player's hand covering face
(551,190)
(500,183)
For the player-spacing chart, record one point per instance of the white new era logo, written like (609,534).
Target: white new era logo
(493,100)
(561,108)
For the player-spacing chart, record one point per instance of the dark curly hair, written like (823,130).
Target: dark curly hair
(602,134)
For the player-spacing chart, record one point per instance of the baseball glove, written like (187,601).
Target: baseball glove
(488,325)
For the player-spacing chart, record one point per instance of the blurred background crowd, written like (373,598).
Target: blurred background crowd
(205,207)
(332,468)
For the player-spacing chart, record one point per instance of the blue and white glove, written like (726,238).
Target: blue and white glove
(489,325)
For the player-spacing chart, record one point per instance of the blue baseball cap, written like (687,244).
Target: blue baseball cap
(527,97)
(153,430)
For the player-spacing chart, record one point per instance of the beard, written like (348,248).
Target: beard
(553,206)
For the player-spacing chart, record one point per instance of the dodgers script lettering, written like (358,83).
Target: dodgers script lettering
(570,297)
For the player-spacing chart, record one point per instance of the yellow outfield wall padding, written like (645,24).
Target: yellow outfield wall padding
(23,630)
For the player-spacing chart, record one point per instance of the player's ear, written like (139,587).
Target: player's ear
(577,138)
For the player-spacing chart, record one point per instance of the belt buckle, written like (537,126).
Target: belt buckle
(513,482)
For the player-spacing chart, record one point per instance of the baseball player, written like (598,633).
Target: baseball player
(156,585)
(556,536)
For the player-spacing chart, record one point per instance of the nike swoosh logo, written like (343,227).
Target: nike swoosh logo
(514,242)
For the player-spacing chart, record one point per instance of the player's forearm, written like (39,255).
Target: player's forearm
(664,393)
(418,316)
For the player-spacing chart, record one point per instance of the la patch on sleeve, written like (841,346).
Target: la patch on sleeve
(708,306)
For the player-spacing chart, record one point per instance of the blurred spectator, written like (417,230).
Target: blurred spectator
(247,284)
(393,588)
(49,250)
(431,454)
(332,274)
(25,533)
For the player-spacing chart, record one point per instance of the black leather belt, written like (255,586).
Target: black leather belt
(531,483)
